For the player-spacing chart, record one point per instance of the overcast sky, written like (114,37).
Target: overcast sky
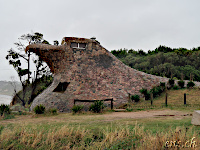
(136,24)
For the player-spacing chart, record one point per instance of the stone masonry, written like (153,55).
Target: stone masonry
(85,70)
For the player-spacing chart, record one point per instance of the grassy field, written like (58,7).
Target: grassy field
(174,98)
(102,131)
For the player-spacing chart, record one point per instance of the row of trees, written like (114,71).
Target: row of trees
(164,61)
(18,58)
(181,51)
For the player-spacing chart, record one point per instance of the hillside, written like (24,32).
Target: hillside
(175,98)
(164,61)
(6,87)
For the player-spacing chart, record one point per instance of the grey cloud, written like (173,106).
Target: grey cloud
(143,24)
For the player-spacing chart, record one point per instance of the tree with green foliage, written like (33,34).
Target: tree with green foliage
(163,61)
(18,57)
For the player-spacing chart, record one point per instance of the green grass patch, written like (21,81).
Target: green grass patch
(93,131)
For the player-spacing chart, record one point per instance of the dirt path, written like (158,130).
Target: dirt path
(148,114)
(175,114)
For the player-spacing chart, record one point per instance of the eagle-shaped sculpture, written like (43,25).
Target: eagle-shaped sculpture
(85,70)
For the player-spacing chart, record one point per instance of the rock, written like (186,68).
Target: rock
(17,108)
(81,66)
(196,117)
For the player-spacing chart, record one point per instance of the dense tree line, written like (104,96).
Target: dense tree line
(180,63)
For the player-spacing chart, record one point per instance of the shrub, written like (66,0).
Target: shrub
(143,91)
(129,109)
(157,91)
(175,78)
(181,83)
(171,82)
(4,109)
(77,108)
(39,109)
(154,92)
(53,111)
(162,84)
(124,106)
(97,107)
(8,116)
(175,87)
(190,84)
(135,98)
(147,96)
(146,93)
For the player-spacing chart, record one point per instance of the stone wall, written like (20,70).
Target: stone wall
(87,73)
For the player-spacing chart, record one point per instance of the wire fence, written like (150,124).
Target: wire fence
(185,102)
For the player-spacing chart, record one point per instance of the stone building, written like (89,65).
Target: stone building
(85,70)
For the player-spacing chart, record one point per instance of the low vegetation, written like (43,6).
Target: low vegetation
(155,91)
(53,111)
(84,131)
(4,109)
(175,99)
(190,84)
(94,131)
(97,107)
(135,98)
(77,109)
(171,82)
(39,109)
(181,83)
(146,93)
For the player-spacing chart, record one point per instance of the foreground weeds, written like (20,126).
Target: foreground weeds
(29,136)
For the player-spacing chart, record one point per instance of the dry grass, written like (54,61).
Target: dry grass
(30,136)
(65,137)
(175,97)
(83,131)
(171,139)
(96,131)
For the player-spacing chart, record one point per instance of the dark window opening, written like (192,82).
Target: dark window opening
(78,45)
(62,86)
(82,45)
(73,44)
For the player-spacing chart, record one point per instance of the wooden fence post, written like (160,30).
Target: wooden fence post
(129,97)
(151,99)
(166,100)
(111,104)
(184,98)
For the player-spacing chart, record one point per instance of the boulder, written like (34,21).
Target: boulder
(17,108)
(196,117)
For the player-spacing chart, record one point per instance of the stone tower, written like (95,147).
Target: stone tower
(83,69)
